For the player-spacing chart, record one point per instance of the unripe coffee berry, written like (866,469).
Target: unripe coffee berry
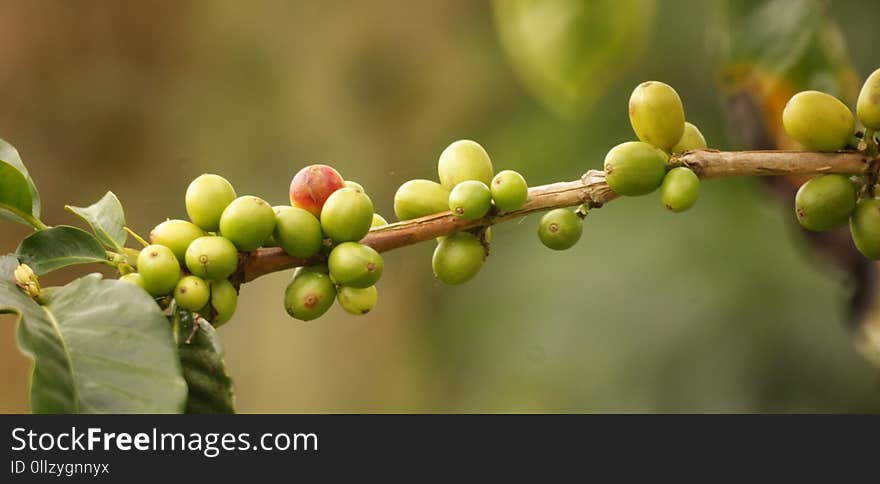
(560,229)
(470,200)
(355,185)
(378,221)
(320,268)
(247,222)
(309,295)
(825,202)
(347,215)
(680,189)
(206,198)
(131,255)
(417,198)
(864,226)
(312,185)
(509,191)
(818,121)
(464,160)
(134,278)
(298,232)
(192,293)
(656,114)
(212,257)
(635,168)
(458,258)
(224,300)
(176,235)
(159,269)
(355,265)
(357,301)
(692,139)
(868,105)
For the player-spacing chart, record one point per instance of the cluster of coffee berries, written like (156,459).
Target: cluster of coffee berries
(191,262)
(329,215)
(471,190)
(821,122)
(637,168)
(222,224)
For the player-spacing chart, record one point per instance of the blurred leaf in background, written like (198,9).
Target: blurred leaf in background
(568,52)
(771,50)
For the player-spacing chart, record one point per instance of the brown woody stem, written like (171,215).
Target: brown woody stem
(590,189)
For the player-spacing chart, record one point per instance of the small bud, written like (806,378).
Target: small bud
(27,281)
(24,274)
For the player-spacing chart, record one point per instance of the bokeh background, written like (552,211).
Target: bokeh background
(720,309)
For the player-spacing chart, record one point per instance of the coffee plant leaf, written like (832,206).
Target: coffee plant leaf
(204,368)
(18,194)
(50,249)
(568,52)
(107,220)
(98,345)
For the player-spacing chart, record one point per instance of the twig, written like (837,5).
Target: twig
(590,189)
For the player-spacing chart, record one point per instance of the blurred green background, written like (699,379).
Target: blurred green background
(720,309)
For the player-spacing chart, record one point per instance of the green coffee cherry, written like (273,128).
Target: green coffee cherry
(247,222)
(818,121)
(509,191)
(825,202)
(134,278)
(680,189)
(458,258)
(159,269)
(176,235)
(470,200)
(865,228)
(192,293)
(560,229)
(357,187)
(656,114)
(357,301)
(206,198)
(212,257)
(464,160)
(353,184)
(224,300)
(347,215)
(868,105)
(692,139)
(378,221)
(635,168)
(417,198)
(319,268)
(131,255)
(355,265)
(309,295)
(298,232)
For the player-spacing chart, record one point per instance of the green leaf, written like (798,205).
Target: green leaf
(201,355)
(790,45)
(99,346)
(9,155)
(770,50)
(568,52)
(50,249)
(775,32)
(107,220)
(15,196)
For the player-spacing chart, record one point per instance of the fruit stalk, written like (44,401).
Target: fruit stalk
(591,189)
